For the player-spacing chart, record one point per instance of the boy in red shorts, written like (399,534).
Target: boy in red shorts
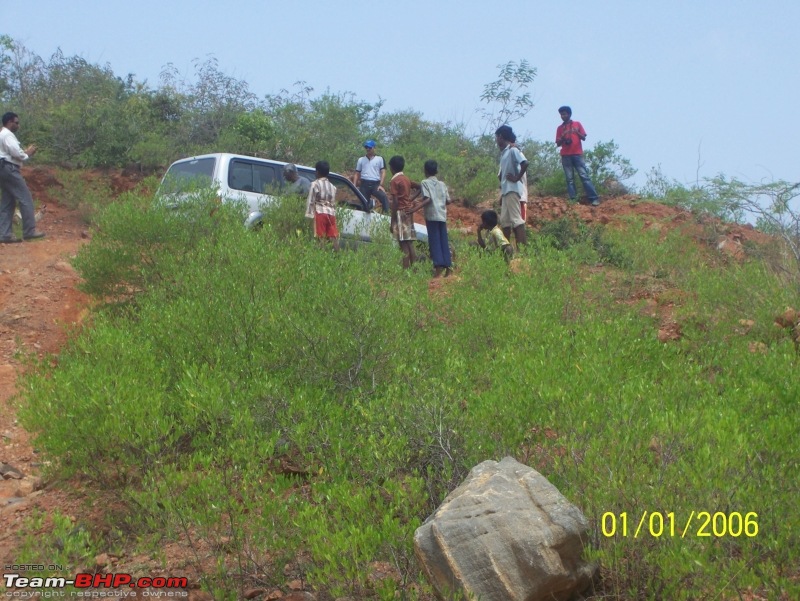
(321,205)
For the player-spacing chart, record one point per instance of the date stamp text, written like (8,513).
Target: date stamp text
(697,524)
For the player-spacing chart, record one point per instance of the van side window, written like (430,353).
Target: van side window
(251,177)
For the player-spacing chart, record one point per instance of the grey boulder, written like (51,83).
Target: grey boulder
(505,534)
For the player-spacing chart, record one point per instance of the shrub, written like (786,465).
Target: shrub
(571,233)
(137,242)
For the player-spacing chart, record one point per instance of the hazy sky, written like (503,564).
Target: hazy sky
(703,86)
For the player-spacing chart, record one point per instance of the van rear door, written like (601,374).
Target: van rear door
(186,175)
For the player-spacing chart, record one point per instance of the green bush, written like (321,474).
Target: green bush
(136,242)
(604,164)
(571,233)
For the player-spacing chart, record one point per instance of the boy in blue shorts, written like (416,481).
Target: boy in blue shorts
(435,199)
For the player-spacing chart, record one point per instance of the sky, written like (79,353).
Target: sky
(698,88)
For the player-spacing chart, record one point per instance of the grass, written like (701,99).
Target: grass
(269,402)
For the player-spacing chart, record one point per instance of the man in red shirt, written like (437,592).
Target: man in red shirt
(569,136)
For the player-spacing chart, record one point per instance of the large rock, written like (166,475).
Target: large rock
(505,534)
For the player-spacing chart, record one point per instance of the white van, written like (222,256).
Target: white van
(254,181)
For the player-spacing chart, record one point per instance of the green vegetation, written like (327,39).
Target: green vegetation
(269,401)
(58,539)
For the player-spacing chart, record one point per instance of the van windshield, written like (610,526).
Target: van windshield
(189,175)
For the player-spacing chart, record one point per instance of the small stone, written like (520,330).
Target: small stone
(295,585)
(382,570)
(64,267)
(254,592)
(787,319)
(9,472)
(102,560)
(301,596)
(28,485)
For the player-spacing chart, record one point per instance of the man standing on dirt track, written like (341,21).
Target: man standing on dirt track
(15,190)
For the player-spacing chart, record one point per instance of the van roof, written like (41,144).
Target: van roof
(230,155)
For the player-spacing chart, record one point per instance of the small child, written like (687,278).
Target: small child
(402,223)
(495,238)
(321,205)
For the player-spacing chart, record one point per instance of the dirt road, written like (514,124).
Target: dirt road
(38,305)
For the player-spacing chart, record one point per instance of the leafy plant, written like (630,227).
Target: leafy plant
(607,168)
(776,206)
(568,232)
(508,94)
(55,539)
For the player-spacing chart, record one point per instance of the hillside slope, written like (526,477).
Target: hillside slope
(39,304)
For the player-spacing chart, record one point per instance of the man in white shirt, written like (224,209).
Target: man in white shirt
(15,190)
(370,171)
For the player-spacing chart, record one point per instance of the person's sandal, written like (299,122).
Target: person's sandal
(34,236)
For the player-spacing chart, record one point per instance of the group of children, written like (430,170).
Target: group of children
(431,195)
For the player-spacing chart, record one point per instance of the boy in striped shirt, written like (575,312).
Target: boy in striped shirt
(321,205)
